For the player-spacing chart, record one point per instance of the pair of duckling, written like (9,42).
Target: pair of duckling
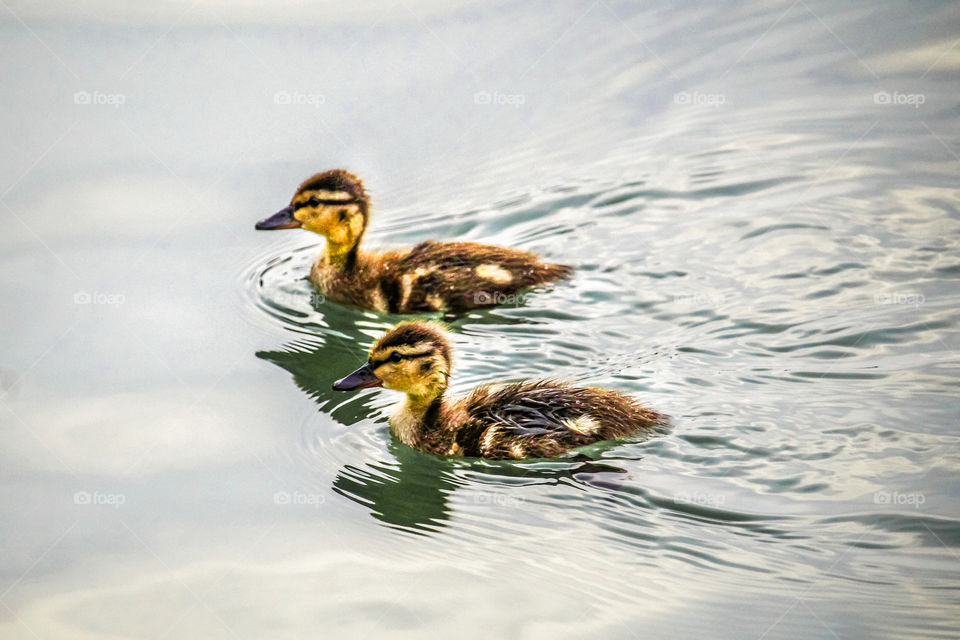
(542,419)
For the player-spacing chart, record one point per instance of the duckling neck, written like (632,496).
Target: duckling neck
(414,416)
(341,256)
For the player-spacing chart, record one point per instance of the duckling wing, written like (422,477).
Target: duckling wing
(437,276)
(541,419)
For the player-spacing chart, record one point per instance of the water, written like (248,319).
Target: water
(762,204)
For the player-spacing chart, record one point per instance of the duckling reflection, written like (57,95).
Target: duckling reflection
(411,494)
(308,361)
(410,491)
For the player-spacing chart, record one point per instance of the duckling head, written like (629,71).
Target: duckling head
(413,357)
(333,204)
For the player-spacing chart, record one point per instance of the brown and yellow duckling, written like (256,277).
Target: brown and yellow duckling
(521,420)
(432,276)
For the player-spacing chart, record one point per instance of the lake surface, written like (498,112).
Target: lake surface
(761,200)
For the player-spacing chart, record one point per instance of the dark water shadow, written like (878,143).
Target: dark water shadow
(410,492)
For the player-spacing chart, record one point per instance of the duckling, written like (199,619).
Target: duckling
(540,419)
(432,276)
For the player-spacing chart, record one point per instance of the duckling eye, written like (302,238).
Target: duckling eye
(395,357)
(314,201)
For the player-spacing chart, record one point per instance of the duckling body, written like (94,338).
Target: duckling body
(432,276)
(540,419)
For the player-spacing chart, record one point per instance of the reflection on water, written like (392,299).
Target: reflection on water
(762,204)
(410,494)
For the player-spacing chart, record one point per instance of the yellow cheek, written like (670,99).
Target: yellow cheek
(338,235)
(342,231)
(400,378)
(388,373)
(310,220)
(356,225)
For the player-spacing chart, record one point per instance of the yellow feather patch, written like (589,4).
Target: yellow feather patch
(406,288)
(377,301)
(407,281)
(584,425)
(494,273)
(437,303)
(488,437)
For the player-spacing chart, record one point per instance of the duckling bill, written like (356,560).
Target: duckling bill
(432,276)
(541,419)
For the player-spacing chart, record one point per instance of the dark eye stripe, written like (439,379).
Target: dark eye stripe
(403,356)
(312,202)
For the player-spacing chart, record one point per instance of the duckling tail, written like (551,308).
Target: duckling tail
(548,272)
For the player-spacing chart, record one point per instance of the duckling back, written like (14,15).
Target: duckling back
(455,276)
(546,419)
